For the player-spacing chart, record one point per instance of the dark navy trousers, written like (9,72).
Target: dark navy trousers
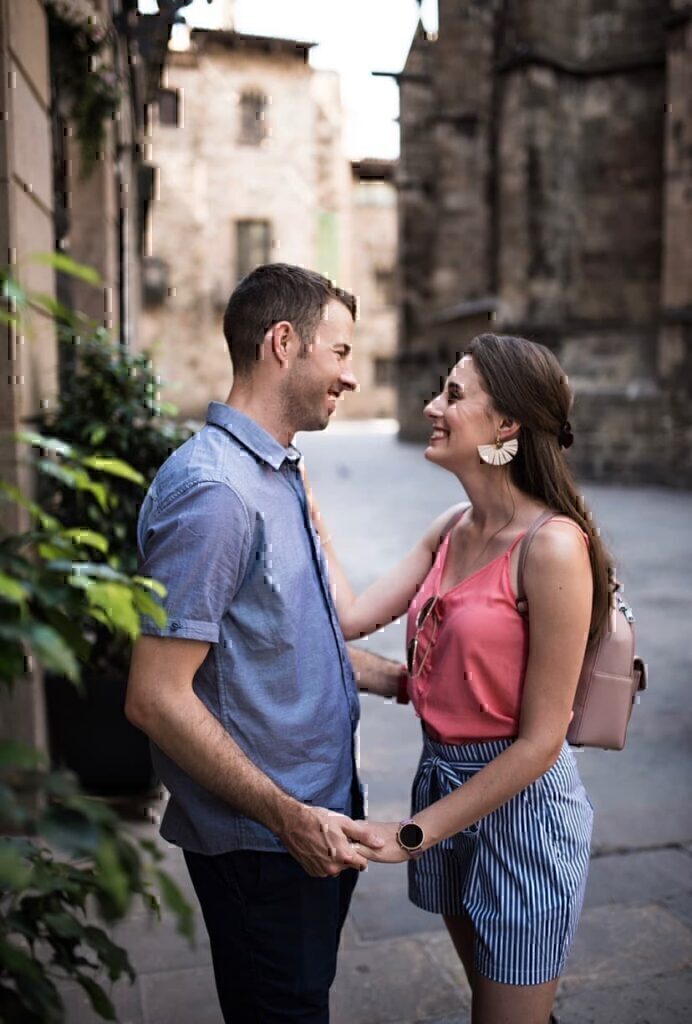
(274,934)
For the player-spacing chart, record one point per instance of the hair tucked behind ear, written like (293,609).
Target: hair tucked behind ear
(526,382)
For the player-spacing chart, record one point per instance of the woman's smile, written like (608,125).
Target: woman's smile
(438,434)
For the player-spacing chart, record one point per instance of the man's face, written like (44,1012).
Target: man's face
(322,372)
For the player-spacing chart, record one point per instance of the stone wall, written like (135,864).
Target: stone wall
(27,362)
(546,209)
(675,332)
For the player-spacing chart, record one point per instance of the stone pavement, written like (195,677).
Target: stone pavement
(633,953)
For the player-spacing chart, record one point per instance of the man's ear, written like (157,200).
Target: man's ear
(282,342)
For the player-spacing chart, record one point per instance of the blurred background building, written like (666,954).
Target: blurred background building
(545,189)
(248,139)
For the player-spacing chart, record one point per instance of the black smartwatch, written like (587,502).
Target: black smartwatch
(410,837)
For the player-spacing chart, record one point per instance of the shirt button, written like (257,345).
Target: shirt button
(175,626)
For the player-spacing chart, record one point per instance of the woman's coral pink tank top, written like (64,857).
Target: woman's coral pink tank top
(472,652)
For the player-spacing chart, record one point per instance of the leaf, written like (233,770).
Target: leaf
(175,901)
(70,831)
(41,1003)
(59,261)
(13,292)
(112,879)
(98,998)
(151,584)
(117,602)
(116,467)
(152,849)
(13,1009)
(54,552)
(82,573)
(146,605)
(18,961)
(70,630)
(52,651)
(49,444)
(12,812)
(56,309)
(88,538)
(48,522)
(92,809)
(12,590)
(15,873)
(113,956)
(65,925)
(97,435)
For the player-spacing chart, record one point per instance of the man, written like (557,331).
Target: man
(248,694)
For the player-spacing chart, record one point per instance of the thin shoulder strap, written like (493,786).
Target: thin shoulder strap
(522,603)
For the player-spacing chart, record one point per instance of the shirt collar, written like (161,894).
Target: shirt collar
(251,435)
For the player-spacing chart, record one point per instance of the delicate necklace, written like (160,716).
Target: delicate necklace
(499,530)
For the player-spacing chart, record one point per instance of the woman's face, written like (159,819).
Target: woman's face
(462,417)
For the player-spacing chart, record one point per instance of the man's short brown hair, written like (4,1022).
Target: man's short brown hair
(273,292)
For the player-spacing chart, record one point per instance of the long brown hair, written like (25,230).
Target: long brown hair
(525,382)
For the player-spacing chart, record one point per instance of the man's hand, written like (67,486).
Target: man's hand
(326,843)
(390,852)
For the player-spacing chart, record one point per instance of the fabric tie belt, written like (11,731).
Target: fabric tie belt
(447,780)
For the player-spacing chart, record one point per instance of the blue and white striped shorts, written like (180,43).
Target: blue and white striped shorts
(519,873)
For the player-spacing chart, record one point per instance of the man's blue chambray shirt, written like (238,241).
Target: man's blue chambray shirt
(225,527)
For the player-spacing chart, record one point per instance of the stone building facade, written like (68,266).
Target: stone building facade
(545,189)
(248,139)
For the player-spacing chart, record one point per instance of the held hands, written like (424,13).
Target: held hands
(326,843)
(389,852)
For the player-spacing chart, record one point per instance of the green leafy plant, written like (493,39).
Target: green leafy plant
(108,413)
(49,904)
(68,867)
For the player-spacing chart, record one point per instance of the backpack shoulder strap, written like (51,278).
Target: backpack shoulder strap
(522,603)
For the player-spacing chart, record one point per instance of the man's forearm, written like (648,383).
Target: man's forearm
(192,737)
(375,674)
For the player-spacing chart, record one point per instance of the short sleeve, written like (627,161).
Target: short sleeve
(196,542)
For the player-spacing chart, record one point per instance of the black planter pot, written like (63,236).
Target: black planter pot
(89,734)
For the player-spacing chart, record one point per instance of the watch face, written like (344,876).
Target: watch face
(411,835)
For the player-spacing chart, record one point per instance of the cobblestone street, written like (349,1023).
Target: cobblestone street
(631,961)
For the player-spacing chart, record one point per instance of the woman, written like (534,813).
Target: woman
(498,842)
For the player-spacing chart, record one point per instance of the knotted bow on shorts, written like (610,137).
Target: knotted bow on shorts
(438,775)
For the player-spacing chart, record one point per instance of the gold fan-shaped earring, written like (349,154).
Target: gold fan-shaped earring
(500,453)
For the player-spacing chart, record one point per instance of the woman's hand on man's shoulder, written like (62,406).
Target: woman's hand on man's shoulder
(442,524)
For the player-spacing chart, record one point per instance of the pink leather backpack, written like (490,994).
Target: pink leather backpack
(611,676)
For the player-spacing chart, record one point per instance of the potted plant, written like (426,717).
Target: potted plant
(108,412)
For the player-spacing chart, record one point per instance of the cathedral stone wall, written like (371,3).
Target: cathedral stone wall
(546,189)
